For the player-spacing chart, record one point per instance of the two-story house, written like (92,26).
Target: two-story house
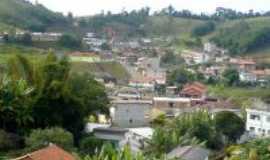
(258,119)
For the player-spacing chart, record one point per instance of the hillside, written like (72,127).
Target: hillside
(112,69)
(26,15)
(164,25)
(243,36)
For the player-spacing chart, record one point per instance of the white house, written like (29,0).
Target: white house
(136,138)
(258,119)
(247,77)
(130,113)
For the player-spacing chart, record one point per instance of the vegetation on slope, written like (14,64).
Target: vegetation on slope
(26,15)
(243,36)
(111,69)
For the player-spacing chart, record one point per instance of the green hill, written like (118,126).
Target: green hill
(243,36)
(113,69)
(25,15)
(164,25)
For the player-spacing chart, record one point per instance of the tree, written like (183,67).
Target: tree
(231,77)
(90,144)
(180,77)
(230,125)
(26,39)
(15,106)
(40,138)
(47,94)
(70,41)
(203,29)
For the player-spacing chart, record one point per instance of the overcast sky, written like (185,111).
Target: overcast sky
(90,7)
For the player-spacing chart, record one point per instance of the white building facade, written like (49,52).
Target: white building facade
(258,122)
(130,113)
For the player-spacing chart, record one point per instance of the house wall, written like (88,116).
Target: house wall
(258,122)
(170,105)
(130,115)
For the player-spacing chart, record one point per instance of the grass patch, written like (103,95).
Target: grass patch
(239,95)
(114,69)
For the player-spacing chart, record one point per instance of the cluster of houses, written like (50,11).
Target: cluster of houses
(131,115)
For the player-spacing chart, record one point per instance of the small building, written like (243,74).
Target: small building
(192,57)
(189,153)
(194,90)
(243,64)
(247,77)
(171,91)
(130,113)
(174,106)
(136,138)
(52,152)
(258,119)
(45,37)
(128,93)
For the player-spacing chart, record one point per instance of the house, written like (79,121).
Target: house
(46,37)
(143,82)
(171,91)
(130,113)
(213,49)
(258,119)
(135,138)
(192,57)
(189,153)
(243,64)
(261,75)
(174,106)
(194,90)
(247,76)
(127,93)
(52,152)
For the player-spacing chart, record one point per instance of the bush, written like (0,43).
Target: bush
(90,144)
(41,138)
(230,125)
(70,41)
(9,141)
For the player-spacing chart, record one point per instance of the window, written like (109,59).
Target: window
(130,121)
(251,128)
(255,117)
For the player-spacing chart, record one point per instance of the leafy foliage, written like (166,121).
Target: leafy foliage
(257,149)
(180,77)
(41,138)
(203,29)
(242,37)
(231,77)
(70,41)
(23,14)
(229,124)
(170,59)
(46,94)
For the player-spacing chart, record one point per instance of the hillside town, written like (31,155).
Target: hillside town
(134,85)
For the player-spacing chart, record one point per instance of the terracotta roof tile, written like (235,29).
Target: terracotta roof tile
(51,152)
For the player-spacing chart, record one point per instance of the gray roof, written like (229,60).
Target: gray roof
(258,104)
(189,153)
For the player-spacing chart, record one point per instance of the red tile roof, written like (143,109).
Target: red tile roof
(195,88)
(52,152)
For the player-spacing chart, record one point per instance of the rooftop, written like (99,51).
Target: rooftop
(189,153)
(52,152)
(132,102)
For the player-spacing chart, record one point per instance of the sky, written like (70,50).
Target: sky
(90,7)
